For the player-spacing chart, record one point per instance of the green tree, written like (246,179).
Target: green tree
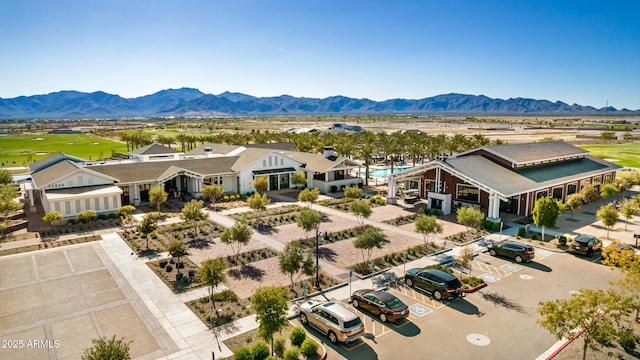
(608,216)
(595,312)
(470,217)
(545,213)
(111,349)
(608,190)
(294,259)
(213,191)
(271,306)
(237,235)
(310,196)
(361,209)
(260,184)
(466,257)
(211,274)
(368,240)
(308,220)
(589,194)
(428,226)
(87,215)
(52,218)
(628,209)
(574,202)
(627,262)
(192,212)
(126,210)
(177,249)
(8,203)
(353,192)
(5,177)
(258,202)
(158,196)
(148,225)
(299,179)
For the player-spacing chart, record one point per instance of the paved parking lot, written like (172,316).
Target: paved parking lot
(53,302)
(497,322)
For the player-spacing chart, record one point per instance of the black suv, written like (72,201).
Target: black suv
(585,245)
(516,250)
(437,282)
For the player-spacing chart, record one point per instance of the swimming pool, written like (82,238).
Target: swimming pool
(378,173)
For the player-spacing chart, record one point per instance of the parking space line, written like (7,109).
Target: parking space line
(493,270)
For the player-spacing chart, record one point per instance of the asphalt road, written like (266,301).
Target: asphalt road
(496,322)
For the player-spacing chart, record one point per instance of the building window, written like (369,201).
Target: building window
(67,207)
(56,206)
(338,175)
(414,184)
(572,188)
(556,193)
(318,176)
(607,179)
(97,202)
(541,194)
(87,204)
(596,182)
(429,186)
(468,193)
(77,206)
(584,184)
(106,203)
(115,201)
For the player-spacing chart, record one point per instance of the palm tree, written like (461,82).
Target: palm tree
(366,153)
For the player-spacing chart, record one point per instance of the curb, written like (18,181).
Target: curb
(474,289)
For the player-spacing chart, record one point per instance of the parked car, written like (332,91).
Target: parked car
(440,284)
(384,304)
(333,319)
(516,250)
(585,245)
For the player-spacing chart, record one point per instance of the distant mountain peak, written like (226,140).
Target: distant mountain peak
(192,102)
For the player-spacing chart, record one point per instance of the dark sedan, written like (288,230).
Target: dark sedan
(516,250)
(440,284)
(381,303)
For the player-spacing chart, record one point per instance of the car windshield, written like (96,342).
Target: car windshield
(582,241)
(394,303)
(352,323)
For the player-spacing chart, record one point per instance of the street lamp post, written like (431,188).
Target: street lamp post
(326,238)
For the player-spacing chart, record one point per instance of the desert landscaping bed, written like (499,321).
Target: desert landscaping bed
(51,243)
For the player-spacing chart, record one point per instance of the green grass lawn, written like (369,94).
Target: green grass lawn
(14,149)
(626,154)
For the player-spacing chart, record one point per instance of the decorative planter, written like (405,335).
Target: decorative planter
(474,289)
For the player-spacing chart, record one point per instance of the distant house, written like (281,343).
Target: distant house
(504,178)
(70,185)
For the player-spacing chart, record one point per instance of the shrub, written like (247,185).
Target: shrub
(260,350)
(472,281)
(168,268)
(292,353)
(309,347)
(225,198)
(162,263)
(562,240)
(112,216)
(534,236)
(103,217)
(225,295)
(522,231)
(271,357)
(242,353)
(439,267)
(297,335)
(71,221)
(278,346)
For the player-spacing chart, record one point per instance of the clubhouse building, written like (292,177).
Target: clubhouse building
(503,178)
(69,185)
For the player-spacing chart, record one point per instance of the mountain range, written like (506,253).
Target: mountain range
(193,102)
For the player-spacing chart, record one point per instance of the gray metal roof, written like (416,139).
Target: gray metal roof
(213,148)
(537,151)
(54,172)
(153,149)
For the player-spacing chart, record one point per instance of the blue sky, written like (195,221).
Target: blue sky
(585,52)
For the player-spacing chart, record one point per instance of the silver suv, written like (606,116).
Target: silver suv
(331,318)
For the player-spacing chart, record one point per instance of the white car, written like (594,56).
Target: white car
(333,319)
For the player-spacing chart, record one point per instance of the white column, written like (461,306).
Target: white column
(438,174)
(391,191)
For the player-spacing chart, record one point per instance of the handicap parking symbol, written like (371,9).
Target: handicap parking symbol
(510,267)
(419,310)
(489,277)
(543,253)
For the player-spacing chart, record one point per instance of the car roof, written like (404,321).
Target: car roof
(339,310)
(583,237)
(442,274)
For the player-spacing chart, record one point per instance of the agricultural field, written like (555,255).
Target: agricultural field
(624,154)
(19,150)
